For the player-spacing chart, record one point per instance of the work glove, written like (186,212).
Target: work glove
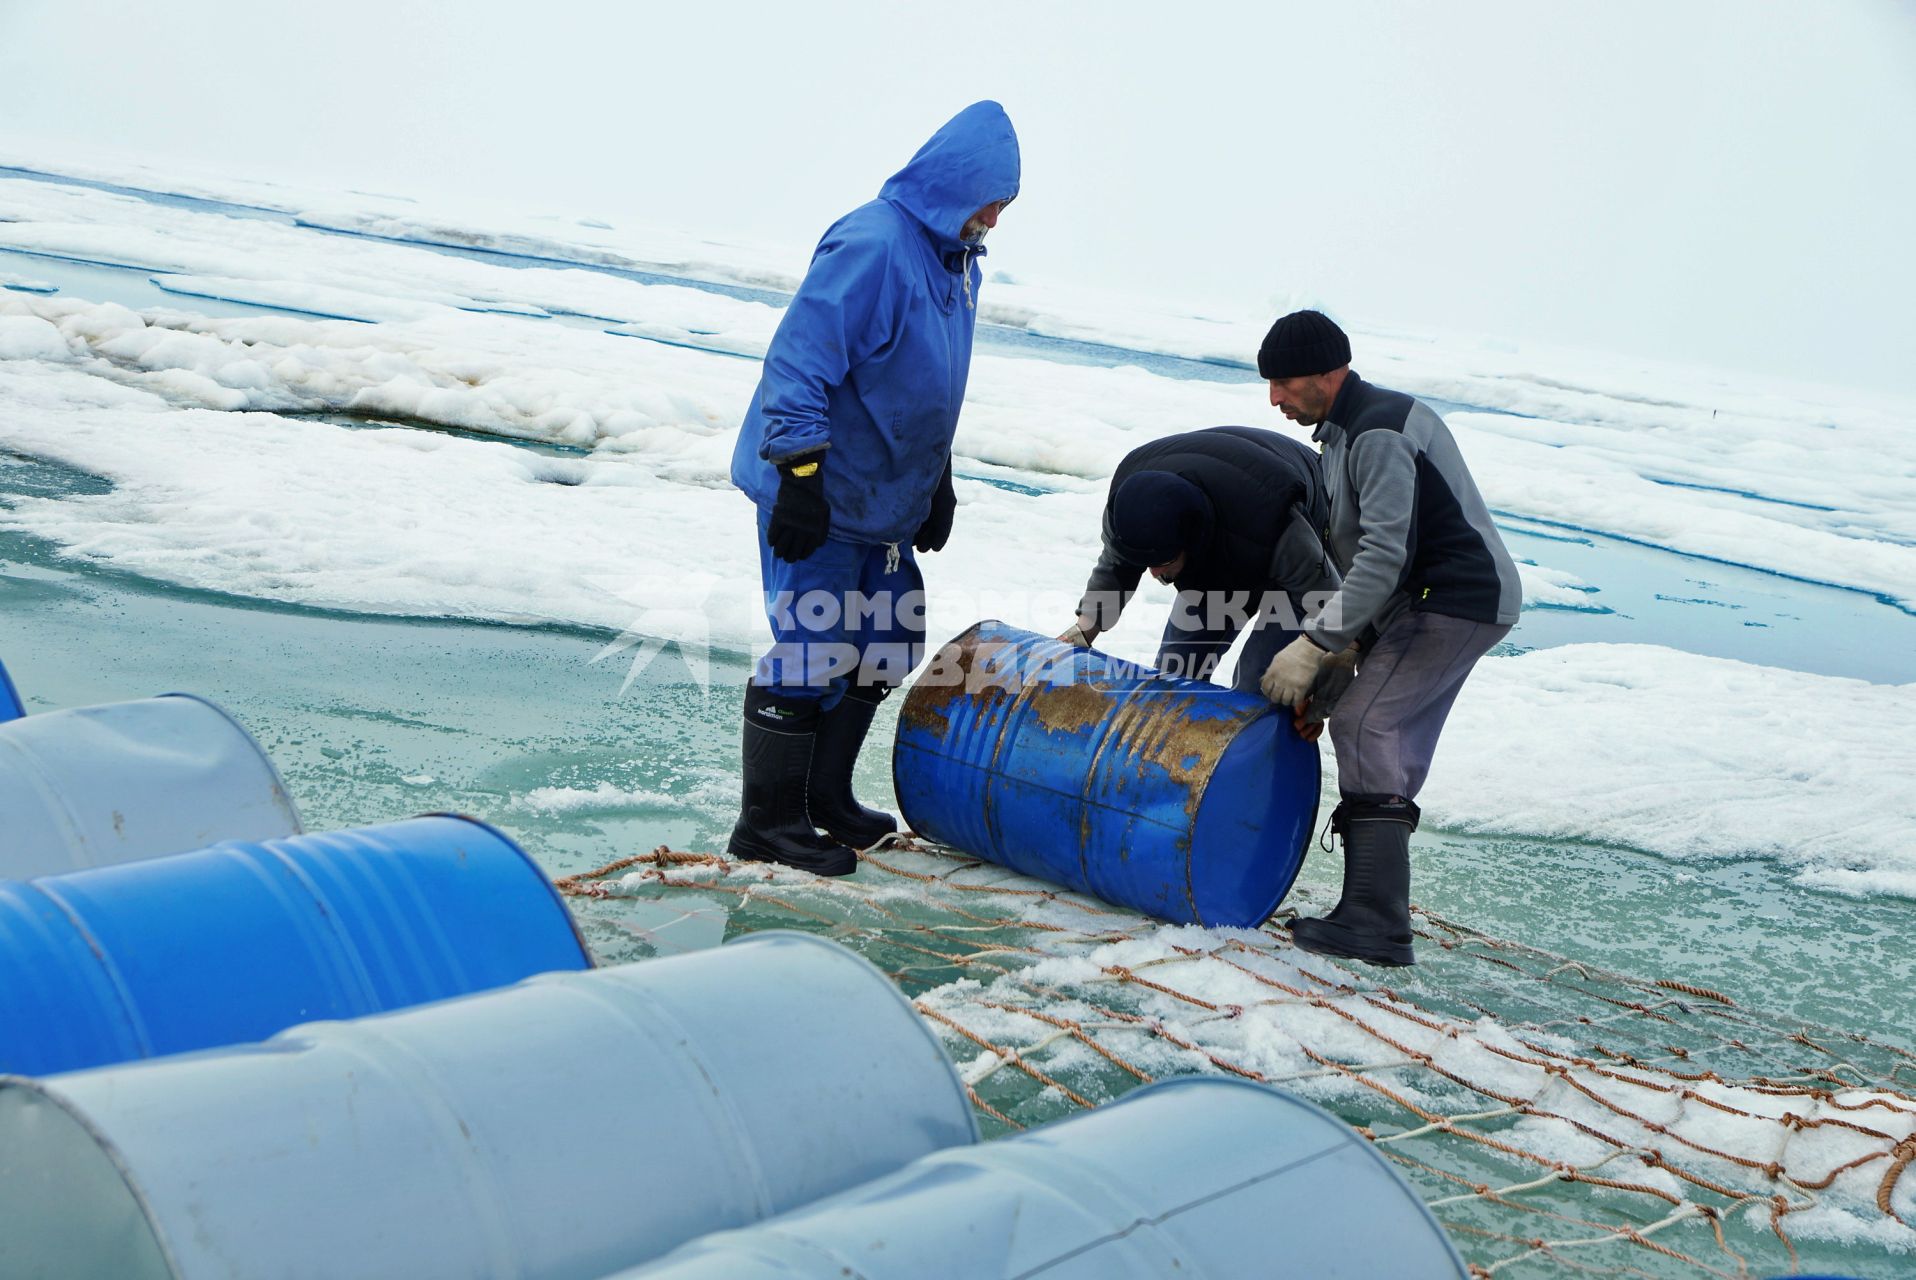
(800,515)
(1077,636)
(936,531)
(1334,676)
(1289,676)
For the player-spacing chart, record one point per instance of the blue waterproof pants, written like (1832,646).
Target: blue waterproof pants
(849,613)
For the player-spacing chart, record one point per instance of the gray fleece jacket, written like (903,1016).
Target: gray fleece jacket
(1408,528)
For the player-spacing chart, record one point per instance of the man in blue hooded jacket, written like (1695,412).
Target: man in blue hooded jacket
(846,451)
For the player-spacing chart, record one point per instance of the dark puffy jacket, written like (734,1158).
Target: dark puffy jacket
(871,358)
(1268,510)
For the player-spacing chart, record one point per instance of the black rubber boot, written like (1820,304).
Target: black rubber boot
(841,732)
(1371,922)
(773,824)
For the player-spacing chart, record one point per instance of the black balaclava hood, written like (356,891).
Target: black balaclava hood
(1157,514)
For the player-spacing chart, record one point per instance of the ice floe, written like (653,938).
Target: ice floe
(215,486)
(1688,756)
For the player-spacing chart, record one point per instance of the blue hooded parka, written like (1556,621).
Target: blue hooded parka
(871,357)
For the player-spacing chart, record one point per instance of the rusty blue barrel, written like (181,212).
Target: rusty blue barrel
(239,941)
(1178,798)
(11,708)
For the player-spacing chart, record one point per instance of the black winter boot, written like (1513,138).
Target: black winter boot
(841,732)
(1371,922)
(773,825)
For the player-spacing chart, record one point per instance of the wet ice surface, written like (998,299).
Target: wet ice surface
(1730,611)
(373,718)
(104,282)
(1042,431)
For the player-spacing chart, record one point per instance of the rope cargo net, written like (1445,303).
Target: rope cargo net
(1556,1117)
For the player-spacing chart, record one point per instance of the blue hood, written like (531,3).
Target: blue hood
(871,358)
(969,163)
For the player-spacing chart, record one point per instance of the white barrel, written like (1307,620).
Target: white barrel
(560,1129)
(100,786)
(1203,1179)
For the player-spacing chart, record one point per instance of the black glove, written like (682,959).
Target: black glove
(800,516)
(936,531)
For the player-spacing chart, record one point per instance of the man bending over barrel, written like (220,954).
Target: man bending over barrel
(1428,589)
(1231,517)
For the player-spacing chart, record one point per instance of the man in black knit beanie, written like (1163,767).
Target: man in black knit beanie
(1428,589)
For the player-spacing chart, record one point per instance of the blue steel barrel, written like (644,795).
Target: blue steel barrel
(236,942)
(1178,798)
(96,786)
(1204,1179)
(11,708)
(562,1128)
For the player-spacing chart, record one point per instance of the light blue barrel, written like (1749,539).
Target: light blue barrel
(560,1129)
(1178,798)
(11,708)
(1202,1179)
(234,943)
(97,786)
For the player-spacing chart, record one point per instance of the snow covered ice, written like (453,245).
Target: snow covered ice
(215,487)
(262,435)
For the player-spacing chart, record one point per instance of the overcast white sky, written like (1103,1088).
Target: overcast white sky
(1731,184)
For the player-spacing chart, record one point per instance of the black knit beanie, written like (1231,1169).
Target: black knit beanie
(1303,343)
(1155,515)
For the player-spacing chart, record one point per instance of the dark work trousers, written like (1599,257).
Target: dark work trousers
(1385,727)
(1193,651)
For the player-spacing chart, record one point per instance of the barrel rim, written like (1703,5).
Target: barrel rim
(911,691)
(45,1088)
(279,782)
(10,697)
(898,736)
(126,1010)
(135,1017)
(1298,1102)
(917,1018)
(1303,853)
(565,908)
